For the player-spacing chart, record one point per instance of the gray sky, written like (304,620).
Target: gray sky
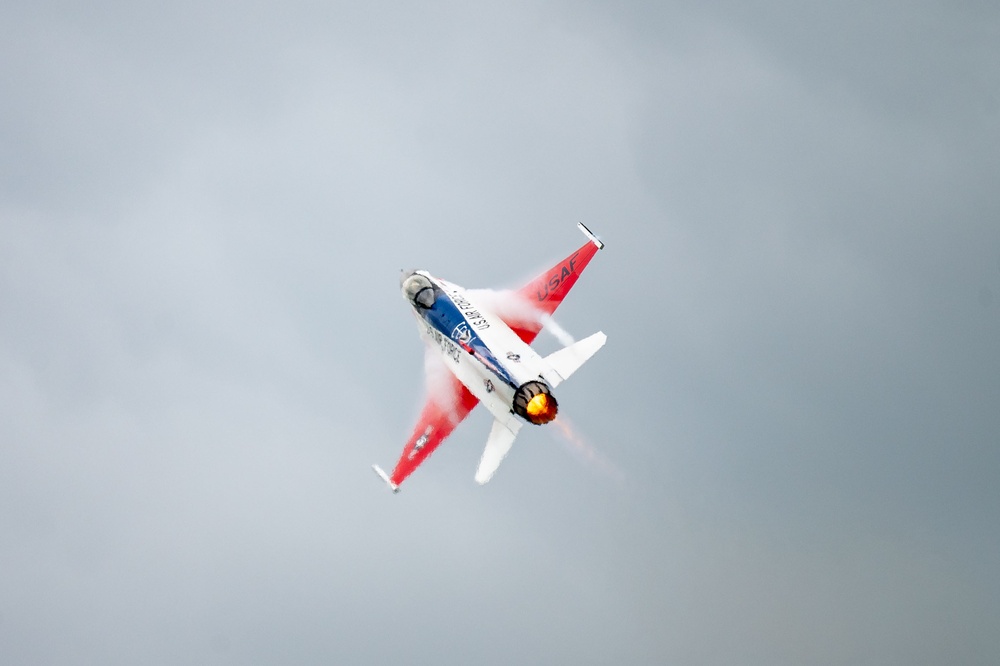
(203,211)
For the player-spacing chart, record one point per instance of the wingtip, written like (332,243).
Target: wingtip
(385,477)
(590,234)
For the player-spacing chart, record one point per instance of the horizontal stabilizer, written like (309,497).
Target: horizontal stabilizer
(501,439)
(568,360)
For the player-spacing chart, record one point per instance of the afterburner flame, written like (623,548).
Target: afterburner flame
(535,403)
(541,409)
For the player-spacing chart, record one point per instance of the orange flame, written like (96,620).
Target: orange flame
(541,409)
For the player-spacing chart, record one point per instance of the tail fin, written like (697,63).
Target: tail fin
(568,360)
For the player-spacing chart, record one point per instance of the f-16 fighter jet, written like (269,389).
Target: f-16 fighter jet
(484,342)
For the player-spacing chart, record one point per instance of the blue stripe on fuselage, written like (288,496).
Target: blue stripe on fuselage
(448,320)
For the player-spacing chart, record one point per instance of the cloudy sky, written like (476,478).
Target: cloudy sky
(787,453)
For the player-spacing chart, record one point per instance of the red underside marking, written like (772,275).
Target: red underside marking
(548,290)
(441,414)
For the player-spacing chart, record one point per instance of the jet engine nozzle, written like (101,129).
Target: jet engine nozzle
(534,402)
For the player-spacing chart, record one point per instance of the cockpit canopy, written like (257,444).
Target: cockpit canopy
(419,290)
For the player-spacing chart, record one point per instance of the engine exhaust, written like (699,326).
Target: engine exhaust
(534,402)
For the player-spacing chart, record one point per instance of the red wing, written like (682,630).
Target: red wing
(444,410)
(547,291)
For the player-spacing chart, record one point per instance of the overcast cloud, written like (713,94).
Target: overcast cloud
(203,211)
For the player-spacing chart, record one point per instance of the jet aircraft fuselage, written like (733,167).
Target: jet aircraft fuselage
(488,353)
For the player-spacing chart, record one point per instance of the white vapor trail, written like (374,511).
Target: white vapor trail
(552,326)
(511,307)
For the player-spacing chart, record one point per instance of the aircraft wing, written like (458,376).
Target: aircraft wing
(544,294)
(448,403)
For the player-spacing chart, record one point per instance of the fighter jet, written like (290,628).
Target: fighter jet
(484,340)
